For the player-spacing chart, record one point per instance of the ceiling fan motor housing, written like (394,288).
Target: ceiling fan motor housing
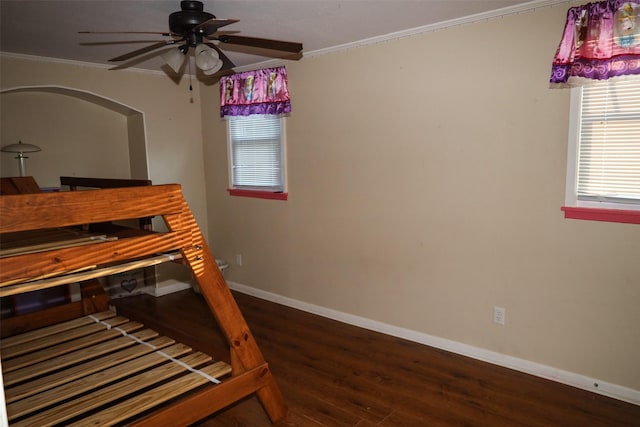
(192,14)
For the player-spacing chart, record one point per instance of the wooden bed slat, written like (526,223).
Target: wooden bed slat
(73,277)
(62,337)
(152,398)
(68,410)
(42,240)
(67,347)
(37,266)
(199,404)
(53,329)
(93,382)
(114,355)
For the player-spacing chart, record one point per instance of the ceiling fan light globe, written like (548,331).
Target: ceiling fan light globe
(207,58)
(174,58)
(213,69)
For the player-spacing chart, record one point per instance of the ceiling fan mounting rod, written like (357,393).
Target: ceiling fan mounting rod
(193,39)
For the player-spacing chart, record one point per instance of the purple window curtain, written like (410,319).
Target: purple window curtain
(600,40)
(255,92)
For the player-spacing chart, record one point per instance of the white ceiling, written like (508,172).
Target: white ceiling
(50,28)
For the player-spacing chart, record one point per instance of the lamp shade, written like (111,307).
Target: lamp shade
(174,58)
(207,59)
(20,148)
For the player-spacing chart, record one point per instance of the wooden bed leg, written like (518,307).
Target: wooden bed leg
(272,400)
(270,396)
(94,297)
(245,353)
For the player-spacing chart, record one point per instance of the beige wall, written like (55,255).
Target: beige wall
(77,137)
(426,177)
(172,121)
(171,115)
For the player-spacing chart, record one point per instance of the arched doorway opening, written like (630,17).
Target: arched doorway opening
(113,136)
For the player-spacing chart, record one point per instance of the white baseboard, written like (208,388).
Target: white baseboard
(565,377)
(169,287)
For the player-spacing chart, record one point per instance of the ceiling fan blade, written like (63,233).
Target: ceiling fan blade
(125,32)
(211,26)
(227,64)
(114,42)
(292,47)
(144,50)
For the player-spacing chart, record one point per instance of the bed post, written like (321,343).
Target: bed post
(245,353)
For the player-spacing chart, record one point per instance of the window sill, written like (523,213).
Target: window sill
(608,215)
(258,194)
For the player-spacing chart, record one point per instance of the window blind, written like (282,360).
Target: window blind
(256,147)
(609,153)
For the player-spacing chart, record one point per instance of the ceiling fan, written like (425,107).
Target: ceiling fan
(192,27)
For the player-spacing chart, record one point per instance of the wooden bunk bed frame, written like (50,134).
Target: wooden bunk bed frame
(141,396)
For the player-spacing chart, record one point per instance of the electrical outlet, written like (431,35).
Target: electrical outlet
(499,315)
(239,260)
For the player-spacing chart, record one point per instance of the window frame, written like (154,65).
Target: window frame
(574,208)
(258,192)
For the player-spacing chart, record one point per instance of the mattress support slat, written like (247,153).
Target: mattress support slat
(91,383)
(152,398)
(103,396)
(133,364)
(88,361)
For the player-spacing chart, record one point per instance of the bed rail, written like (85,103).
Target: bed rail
(182,238)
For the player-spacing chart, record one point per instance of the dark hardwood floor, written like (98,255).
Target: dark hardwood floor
(333,374)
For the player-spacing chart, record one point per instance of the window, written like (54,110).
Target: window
(257,156)
(603,170)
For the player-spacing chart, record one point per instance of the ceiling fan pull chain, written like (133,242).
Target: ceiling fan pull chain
(189,61)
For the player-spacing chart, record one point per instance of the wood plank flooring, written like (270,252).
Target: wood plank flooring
(333,374)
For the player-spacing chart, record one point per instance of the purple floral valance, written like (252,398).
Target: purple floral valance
(255,92)
(600,40)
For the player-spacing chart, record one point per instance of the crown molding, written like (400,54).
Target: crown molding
(471,19)
(78,63)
